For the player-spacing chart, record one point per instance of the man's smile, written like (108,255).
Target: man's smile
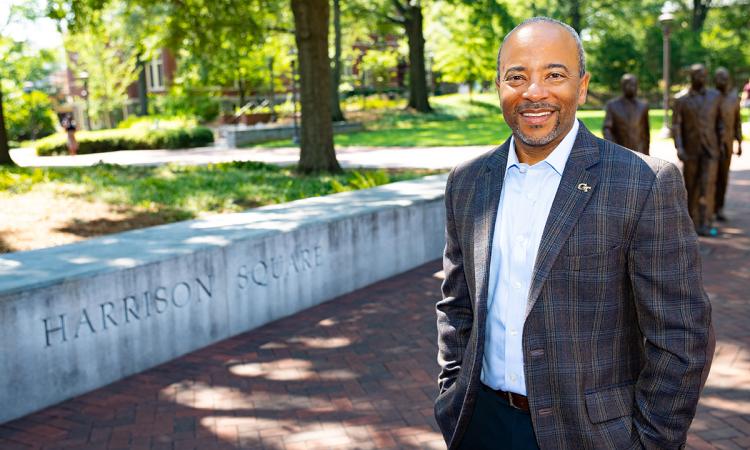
(536,115)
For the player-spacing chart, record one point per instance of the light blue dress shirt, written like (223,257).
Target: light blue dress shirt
(525,202)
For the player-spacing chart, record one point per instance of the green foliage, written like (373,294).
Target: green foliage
(361,180)
(103,48)
(136,138)
(465,39)
(29,115)
(189,191)
(22,180)
(379,65)
(182,101)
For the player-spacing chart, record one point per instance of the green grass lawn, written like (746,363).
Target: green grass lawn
(183,192)
(457,121)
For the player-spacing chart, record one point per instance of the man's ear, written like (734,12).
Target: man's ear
(583,88)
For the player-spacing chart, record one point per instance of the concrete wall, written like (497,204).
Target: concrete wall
(80,316)
(237,137)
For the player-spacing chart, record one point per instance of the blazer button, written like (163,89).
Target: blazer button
(537,352)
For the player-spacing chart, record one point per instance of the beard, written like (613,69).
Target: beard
(537,142)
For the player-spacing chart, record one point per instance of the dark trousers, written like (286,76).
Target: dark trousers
(495,425)
(722,181)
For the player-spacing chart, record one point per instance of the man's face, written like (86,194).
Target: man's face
(721,78)
(629,86)
(539,86)
(698,77)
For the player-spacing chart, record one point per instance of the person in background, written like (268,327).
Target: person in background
(69,125)
(696,127)
(626,118)
(730,115)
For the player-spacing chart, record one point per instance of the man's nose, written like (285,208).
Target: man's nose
(536,91)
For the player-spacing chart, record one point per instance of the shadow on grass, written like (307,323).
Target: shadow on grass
(489,108)
(133,221)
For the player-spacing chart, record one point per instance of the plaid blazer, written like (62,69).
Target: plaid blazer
(617,341)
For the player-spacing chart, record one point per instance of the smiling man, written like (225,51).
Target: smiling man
(573,312)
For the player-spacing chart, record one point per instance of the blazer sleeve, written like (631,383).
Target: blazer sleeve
(674,314)
(454,312)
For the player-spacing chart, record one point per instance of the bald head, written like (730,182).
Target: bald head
(721,79)
(698,75)
(551,22)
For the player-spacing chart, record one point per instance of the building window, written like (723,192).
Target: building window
(155,74)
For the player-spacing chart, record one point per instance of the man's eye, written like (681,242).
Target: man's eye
(556,75)
(514,78)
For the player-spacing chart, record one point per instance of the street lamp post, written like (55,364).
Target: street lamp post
(272,95)
(666,18)
(28,88)
(85,94)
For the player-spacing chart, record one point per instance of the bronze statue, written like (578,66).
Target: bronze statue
(696,127)
(730,116)
(626,118)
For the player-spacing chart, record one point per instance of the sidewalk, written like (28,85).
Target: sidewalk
(370,157)
(359,372)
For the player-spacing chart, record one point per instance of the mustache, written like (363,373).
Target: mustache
(532,106)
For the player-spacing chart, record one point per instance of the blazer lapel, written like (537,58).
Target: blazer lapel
(577,186)
(486,198)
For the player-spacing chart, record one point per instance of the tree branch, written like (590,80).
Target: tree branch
(386,16)
(399,7)
(280,30)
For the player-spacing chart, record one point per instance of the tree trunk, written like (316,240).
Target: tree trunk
(418,95)
(336,114)
(142,97)
(575,15)
(700,12)
(311,35)
(241,90)
(4,149)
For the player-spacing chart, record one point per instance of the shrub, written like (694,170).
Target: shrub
(136,138)
(184,102)
(29,115)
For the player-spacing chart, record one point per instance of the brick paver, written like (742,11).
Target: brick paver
(359,372)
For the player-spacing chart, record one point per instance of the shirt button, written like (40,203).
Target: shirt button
(522,169)
(517,284)
(513,332)
(513,377)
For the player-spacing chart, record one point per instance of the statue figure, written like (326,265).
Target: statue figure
(696,127)
(730,115)
(626,119)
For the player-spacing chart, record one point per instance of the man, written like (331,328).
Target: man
(573,312)
(731,131)
(696,127)
(626,118)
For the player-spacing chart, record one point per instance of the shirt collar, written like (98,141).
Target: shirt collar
(556,159)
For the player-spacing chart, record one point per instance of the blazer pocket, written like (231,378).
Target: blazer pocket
(610,402)
(589,261)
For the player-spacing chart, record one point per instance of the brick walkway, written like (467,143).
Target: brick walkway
(359,372)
